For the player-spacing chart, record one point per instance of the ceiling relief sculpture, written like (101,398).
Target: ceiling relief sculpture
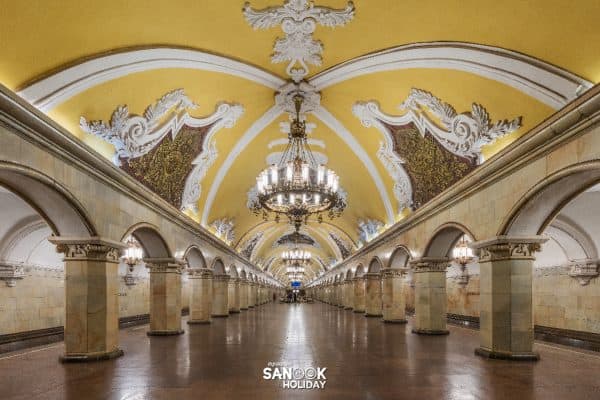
(246,249)
(368,229)
(345,247)
(293,238)
(298,20)
(165,148)
(440,152)
(224,228)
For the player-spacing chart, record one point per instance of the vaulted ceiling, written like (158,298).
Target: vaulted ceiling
(517,61)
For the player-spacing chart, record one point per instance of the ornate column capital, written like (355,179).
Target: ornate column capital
(88,249)
(372,276)
(201,273)
(393,272)
(584,270)
(164,265)
(430,264)
(358,278)
(508,248)
(348,280)
(221,277)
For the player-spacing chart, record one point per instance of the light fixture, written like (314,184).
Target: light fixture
(133,256)
(463,255)
(298,187)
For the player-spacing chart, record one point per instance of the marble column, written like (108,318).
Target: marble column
(255,299)
(243,288)
(506,311)
(348,294)
(234,296)
(201,294)
(220,307)
(339,294)
(373,305)
(430,296)
(251,295)
(165,296)
(393,296)
(91,298)
(359,294)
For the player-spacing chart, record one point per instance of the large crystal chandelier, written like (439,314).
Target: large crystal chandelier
(298,187)
(296,256)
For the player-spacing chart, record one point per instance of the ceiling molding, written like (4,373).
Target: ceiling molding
(59,87)
(545,82)
(256,128)
(336,126)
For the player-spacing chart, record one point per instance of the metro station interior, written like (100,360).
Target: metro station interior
(299,199)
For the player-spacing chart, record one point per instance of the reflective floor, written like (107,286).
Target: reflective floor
(365,359)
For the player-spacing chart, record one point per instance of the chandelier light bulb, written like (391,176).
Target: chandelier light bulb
(320,174)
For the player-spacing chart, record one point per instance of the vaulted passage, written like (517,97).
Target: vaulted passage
(367,199)
(364,359)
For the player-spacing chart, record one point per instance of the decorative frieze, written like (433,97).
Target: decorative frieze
(164,265)
(393,272)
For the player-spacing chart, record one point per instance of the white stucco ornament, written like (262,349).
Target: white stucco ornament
(135,135)
(298,20)
(461,134)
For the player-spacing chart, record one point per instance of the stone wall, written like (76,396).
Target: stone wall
(559,301)
(38,300)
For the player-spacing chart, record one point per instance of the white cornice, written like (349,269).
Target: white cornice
(543,81)
(57,88)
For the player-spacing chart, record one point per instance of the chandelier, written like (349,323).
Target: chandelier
(296,256)
(133,253)
(298,187)
(462,253)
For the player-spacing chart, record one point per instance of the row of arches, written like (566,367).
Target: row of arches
(554,221)
(54,261)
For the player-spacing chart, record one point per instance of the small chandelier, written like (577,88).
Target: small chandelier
(463,255)
(298,187)
(296,256)
(133,255)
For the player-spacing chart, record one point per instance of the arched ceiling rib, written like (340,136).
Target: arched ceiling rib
(113,53)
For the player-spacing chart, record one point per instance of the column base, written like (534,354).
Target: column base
(198,322)
(430,331)
(394,321)
(373,315)
(81,358)
(219,315)
(358,311)
(165,333)
(502,355)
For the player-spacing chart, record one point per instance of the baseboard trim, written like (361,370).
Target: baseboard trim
(40,337)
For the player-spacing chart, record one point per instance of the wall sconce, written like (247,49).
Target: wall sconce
(463,255)
(133,256)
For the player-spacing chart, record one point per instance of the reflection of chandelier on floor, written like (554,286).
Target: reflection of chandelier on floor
(298,187)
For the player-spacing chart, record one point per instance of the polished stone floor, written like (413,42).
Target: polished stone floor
(365,359)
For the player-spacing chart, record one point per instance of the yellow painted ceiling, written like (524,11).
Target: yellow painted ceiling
(39,38)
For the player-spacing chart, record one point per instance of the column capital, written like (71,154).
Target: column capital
(221,277)
(372,276)
(430,264)
(358,278)
(508,248)
(348,280)
(393,272)
(164,265)
(86,249)
(201,273)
